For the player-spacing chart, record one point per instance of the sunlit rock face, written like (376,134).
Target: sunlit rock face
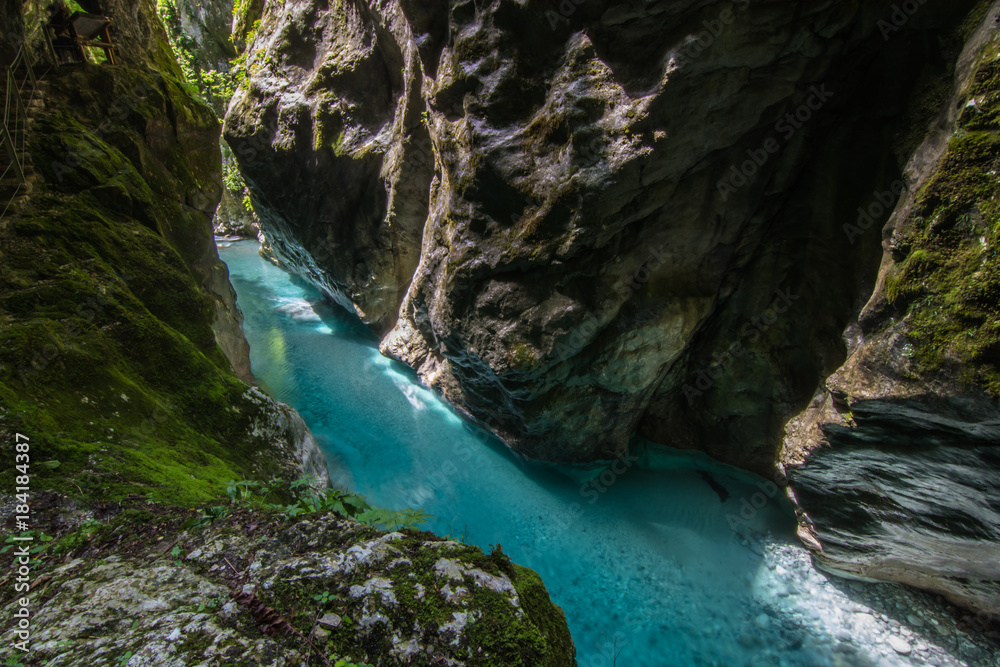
(587,221)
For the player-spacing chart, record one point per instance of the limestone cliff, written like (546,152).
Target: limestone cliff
(546,214)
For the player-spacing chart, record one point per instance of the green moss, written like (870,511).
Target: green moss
(498,634)
(107,357)
(194,643)
(523,356)
(545,616)
(948,284)
(338,144)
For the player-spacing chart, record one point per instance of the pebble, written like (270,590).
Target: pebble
(330,620)
(885,625)
(899,645)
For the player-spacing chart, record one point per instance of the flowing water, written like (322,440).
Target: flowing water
(674,562)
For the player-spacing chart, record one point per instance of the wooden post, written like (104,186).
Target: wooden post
(12,151)
(110,50)
(52,49)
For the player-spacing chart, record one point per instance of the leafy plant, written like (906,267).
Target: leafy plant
(177,553)
(333,500)
(208,516)
(463,538)
(345,503)
(210,605)
(245,490)
(12,541)
(393,519)
(324,598)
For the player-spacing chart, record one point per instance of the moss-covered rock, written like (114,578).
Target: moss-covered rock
(252,588)
(119,334)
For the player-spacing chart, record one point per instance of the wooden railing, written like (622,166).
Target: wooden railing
(20,88)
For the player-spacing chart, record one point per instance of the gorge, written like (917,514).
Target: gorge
(691,306)
(578,233)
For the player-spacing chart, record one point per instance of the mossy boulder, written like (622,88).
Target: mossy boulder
(254,588)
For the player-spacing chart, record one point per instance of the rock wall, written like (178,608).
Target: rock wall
(546,214)
(893,466)
(203,42)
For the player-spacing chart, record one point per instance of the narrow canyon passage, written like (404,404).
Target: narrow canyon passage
(646,565)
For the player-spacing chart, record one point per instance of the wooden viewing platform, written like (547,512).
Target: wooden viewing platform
(69,35)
